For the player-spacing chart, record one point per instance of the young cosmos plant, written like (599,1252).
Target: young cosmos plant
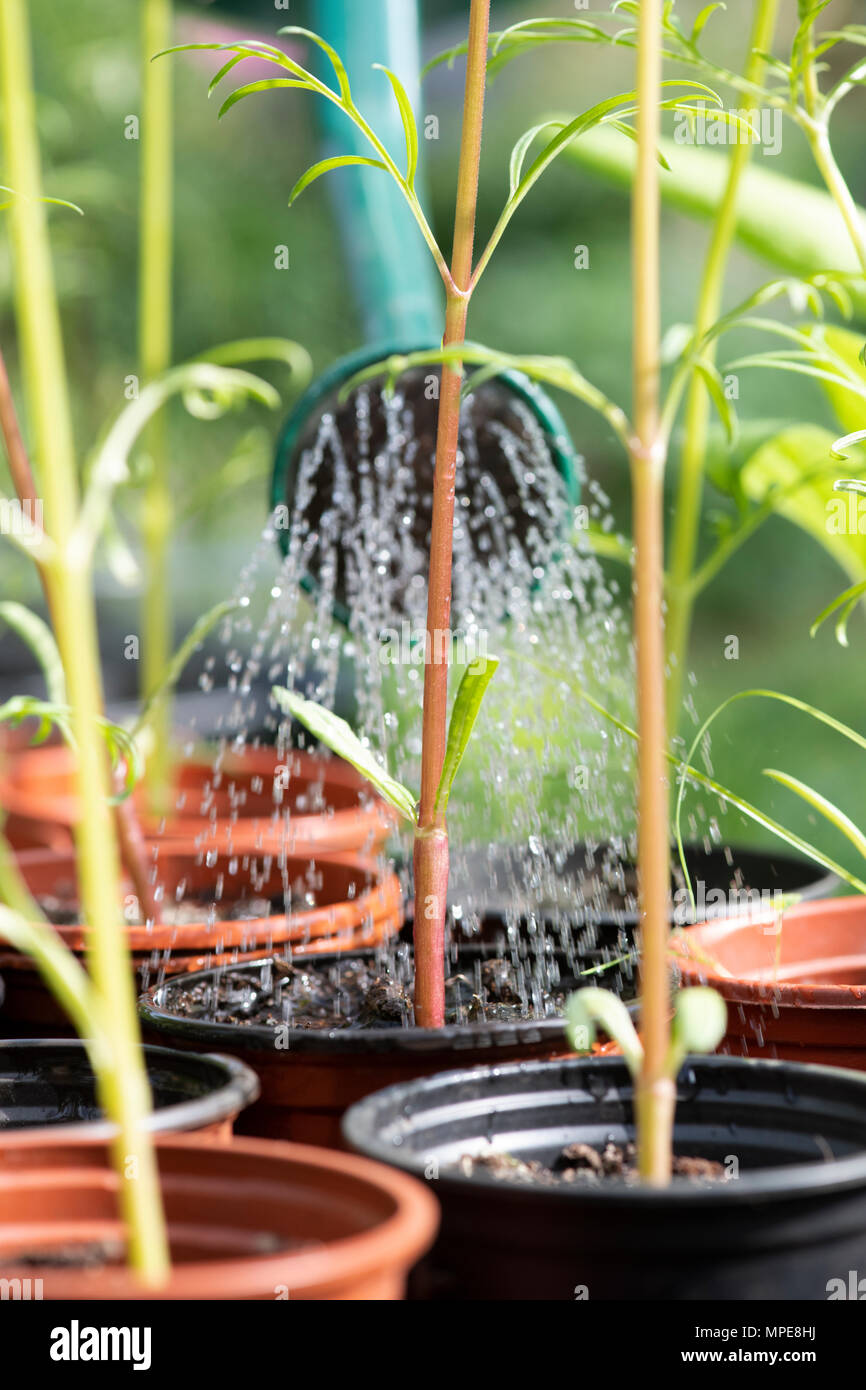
(699,1022)
(788,224)
(460,280)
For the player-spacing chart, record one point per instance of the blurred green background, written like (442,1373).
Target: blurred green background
(232,185)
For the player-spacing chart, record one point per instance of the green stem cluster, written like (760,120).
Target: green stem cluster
(687,505)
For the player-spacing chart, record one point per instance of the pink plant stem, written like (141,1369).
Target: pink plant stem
(431,842)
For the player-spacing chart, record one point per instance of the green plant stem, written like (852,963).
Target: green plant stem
(123,1088)
(687,507)
(431,842)
(155,349)
(653,1104)
(819,143)
(129,832)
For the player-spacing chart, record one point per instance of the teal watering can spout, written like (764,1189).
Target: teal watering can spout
(396,286)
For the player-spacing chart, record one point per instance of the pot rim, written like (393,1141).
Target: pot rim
(363,1121)
(240,1088)
(770,992)
(816,889)
(396,1241)
(381,902)
(20,799)
(453,1036)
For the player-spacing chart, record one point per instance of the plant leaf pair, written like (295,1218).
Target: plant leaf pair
(699,1023)
(335,733)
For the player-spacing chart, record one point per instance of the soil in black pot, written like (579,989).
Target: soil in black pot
(362,993)
(584,1163)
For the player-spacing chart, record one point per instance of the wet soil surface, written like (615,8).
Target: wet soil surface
(362,994)
(584,1164)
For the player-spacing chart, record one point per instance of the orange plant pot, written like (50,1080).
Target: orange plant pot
(358,904)
(794,983)
(349,1229)
(255,802)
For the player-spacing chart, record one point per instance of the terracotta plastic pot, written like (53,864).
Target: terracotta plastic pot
(48,1093)
(307,1086)
(357,904)
(249,1220)
(795,984)
(790,1219)
(256,802)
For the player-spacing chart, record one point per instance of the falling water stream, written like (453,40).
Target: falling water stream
(339,616)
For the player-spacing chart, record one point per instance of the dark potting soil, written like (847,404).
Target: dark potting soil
(78,1255)
(99,1254)
(585,1164)
(359,994)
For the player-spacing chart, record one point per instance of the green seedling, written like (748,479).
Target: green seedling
(699,1022)
(430,893)
(698,1026)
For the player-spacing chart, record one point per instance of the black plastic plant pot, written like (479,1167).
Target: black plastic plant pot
(789,1221)
(597,885)
(48,1091)
(311,1076)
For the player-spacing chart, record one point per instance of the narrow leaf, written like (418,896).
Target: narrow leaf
(337,735)
(518,154)
(580,125)
(822,805)
(625,129)
(687,772)
(407,116)
(40,639)
(225,69)
(712,379)
(847,602)
(267,84)
(336,61)
(700,23)
(467,703)
(324,166)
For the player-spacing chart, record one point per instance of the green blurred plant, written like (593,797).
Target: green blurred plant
(63,544)
(797,230)
(121,1076)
